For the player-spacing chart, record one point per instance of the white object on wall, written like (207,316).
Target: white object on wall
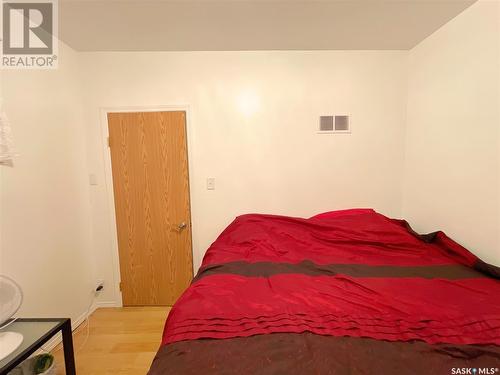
(211,183)
(334,124)
(93,179)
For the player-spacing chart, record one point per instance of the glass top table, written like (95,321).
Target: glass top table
(37,332)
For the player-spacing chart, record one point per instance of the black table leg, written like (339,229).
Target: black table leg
(69,356)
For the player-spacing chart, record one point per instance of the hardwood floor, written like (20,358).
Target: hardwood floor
(122,341)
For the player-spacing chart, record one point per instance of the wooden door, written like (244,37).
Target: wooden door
(151,189)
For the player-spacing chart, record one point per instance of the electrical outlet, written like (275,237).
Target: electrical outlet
(99,286)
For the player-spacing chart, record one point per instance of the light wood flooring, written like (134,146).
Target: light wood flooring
(122,341)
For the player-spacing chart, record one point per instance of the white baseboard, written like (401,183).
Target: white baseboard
(108,304)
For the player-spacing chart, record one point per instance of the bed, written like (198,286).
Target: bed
(344,292)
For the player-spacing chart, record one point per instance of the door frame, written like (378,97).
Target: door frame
(108,175)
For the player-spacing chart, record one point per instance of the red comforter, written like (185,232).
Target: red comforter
(349,273)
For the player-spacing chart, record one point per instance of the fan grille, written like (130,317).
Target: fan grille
(11,298)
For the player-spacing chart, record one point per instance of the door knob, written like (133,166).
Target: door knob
(182,226)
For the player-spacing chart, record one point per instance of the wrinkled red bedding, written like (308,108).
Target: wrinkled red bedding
(349,236)
(348,273)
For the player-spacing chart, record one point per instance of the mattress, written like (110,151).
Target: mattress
(344,292)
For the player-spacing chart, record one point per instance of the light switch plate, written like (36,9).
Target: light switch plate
(92,179)
(211,183)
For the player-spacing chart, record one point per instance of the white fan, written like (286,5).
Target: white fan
(11,297)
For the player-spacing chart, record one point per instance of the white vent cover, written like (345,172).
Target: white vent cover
(334,124)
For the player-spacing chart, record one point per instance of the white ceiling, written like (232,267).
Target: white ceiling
(205,25)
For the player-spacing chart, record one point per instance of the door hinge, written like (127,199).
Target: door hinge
(120,286)
(109,142)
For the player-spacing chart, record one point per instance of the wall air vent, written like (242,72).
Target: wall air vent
(334,124)
(326,123)
(341,123)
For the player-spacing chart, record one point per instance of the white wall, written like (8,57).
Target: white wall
(45,218)
(272,161)
(452,142)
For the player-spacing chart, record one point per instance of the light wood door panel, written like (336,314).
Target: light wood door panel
(151,190)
